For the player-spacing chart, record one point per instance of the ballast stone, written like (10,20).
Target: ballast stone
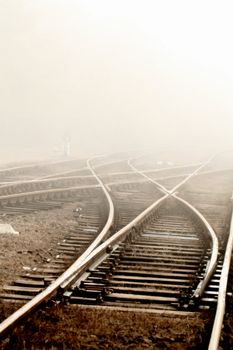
(7,229)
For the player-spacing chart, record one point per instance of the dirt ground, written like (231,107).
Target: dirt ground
(37,231)
(71,327)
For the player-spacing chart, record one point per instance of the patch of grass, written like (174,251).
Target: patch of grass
(72,327)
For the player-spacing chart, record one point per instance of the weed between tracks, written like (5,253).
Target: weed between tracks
(72,327)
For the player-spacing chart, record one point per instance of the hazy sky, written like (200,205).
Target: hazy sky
(115,75)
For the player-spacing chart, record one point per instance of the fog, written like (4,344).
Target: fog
(114,76)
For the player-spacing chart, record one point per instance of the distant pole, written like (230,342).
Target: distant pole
(66,146)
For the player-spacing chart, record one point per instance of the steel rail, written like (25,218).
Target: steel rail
(36,165)
(51,290)
(163,177)
(64,179)
(146,170)
(160,170)
(22,184)
(110,163)
(58,176)
(212,263)
(99,238)
(117,183)
(221,303)
(122,182)
(61,173)
(43,179)
(156,170)
(121,234)
(136,181)
(199,174)
(110,220)
(192,174)
(159,186)
(108,244)
(214,171)
(43,194)
(175,188)
(77,268)
(171,168)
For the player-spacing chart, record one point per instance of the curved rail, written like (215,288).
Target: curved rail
(159,186)
(53,181)
(211,265)
(110,220)
(86,259)
(121,234)
(192,174)
(54,287)
(219,316)
(114,239)
(81,264)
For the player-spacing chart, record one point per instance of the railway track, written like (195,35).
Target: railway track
(123,274)
(22,191)
(90,214)
(92,217)
(26,172)
(47,192)
(140,271)
(67,248)
(157,268)
(90,223)
(126,270)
